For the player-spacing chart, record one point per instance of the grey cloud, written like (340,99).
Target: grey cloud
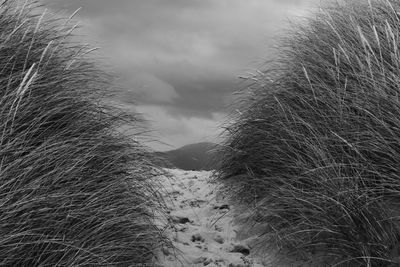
(146,88)
(97,8)
(183,56)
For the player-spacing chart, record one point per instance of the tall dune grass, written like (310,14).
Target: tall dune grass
(73,190)
(315,147)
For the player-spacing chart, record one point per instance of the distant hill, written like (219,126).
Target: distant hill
(190,157)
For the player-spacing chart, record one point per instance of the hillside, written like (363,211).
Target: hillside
(190,157)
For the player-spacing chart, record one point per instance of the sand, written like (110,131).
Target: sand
(202,225)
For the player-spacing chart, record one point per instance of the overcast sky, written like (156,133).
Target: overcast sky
(179,59)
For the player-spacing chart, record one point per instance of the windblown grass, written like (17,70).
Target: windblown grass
(316,144)
(74,191)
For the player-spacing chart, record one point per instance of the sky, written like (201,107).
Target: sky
(179,60)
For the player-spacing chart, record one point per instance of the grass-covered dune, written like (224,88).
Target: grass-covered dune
(73,190)
(315,146)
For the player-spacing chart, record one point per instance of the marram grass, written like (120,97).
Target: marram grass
(74,191)
(315,147)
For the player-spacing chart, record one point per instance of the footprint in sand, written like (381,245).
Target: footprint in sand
(200,226)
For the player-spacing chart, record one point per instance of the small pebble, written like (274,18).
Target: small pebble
(238,248)
(222,207)
(180,220)
(197,237)
(219,239)
(166,252)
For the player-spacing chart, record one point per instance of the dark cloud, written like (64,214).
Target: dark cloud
(105,7)
(180,58)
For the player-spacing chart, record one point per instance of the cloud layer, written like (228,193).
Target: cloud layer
(179,59)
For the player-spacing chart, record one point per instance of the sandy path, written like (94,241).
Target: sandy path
(201,228)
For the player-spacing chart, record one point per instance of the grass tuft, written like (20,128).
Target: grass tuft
(315,148)
(74,191)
